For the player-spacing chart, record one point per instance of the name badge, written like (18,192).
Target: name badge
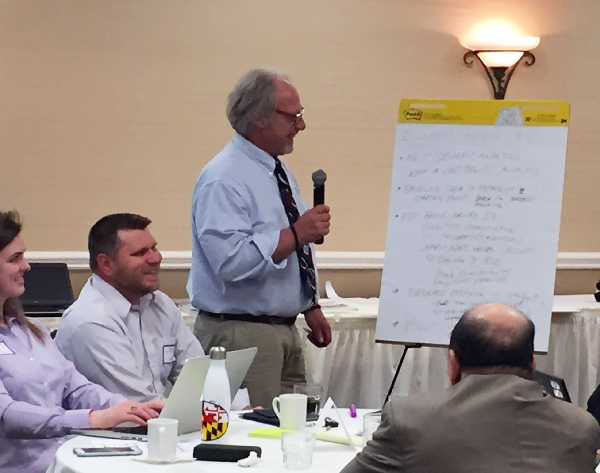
(168,353)
(4,350)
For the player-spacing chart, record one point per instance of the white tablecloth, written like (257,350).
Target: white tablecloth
(355,369)
(327,457)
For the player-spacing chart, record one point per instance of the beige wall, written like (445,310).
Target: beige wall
(357,283)
(116,105)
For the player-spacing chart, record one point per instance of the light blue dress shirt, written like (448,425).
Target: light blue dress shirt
(237,216)
(131,350)
(42,398)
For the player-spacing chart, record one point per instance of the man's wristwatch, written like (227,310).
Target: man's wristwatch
(312,307)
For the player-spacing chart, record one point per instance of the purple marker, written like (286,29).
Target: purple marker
(352,410)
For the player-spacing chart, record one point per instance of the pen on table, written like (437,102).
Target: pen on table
(352,410)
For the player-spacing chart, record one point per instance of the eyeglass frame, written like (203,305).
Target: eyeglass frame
(294,116)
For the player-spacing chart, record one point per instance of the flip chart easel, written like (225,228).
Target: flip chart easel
(474,215)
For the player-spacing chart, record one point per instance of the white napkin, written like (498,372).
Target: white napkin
(241,400)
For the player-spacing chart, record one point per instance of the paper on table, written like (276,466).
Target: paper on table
(334,302)
(241,400)
(185,307)
(338,437)
(330,291)
(326,411)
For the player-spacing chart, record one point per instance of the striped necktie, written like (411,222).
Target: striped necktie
(305,260)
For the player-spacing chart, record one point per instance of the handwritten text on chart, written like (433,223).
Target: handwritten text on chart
(474,217)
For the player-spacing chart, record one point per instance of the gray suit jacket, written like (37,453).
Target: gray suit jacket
(485,423)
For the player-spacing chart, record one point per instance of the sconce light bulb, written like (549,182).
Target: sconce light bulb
(498,37)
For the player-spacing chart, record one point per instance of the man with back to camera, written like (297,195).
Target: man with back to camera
(252,270)
(122,332)
(492,418)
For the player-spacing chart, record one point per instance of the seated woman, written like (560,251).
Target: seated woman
(42,396)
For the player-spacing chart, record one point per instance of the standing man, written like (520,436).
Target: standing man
(252,262)
(122,332)
(492,418)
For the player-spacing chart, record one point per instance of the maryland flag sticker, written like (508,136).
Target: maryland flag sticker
(215,421)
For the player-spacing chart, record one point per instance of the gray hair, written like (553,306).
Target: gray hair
(252,98)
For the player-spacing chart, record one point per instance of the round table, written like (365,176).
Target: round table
(327,457)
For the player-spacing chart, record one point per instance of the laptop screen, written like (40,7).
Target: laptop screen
(553,385)
(47,288)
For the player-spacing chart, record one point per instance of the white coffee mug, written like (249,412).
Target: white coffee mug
(162,439)
(291,410)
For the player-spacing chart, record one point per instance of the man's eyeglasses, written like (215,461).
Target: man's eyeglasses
(294,116)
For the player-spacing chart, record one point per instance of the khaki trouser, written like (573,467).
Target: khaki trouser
(278,364)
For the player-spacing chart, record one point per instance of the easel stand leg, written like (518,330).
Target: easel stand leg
(406,347)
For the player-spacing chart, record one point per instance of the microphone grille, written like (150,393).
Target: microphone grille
(319,177)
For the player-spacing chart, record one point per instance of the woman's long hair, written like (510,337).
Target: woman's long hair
(10,227)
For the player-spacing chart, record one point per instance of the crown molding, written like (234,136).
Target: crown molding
(348,260)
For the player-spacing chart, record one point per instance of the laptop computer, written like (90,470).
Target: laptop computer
(553,385)
(184,402)
(48,290)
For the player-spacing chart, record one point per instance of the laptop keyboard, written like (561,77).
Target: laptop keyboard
(138,430)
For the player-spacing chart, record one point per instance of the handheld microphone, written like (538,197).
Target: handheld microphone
(319,177)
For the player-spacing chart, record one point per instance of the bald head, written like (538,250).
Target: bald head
(492,337)
(499,322)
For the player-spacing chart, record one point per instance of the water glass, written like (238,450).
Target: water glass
(371,421)
(297,447)
(313,393)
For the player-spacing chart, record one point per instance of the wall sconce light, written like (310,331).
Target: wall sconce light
(499,50)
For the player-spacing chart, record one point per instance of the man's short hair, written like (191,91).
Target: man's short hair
(252,98)
(477,343)
(103,237)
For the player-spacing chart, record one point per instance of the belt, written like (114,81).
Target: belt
(261,319)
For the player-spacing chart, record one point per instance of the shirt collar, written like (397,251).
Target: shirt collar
(121,305)
(11,323)
(254,152)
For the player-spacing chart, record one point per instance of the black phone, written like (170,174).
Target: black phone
(268,416)
(224,453)
(106,451)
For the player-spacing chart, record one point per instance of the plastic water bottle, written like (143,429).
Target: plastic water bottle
(216,397)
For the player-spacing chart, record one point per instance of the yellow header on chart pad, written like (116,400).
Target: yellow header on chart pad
(485,112)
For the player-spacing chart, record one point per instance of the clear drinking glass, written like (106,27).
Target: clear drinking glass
(314,394)
(371,421)
(297,447)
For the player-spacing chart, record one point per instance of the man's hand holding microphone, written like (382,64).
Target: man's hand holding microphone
(313,224)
